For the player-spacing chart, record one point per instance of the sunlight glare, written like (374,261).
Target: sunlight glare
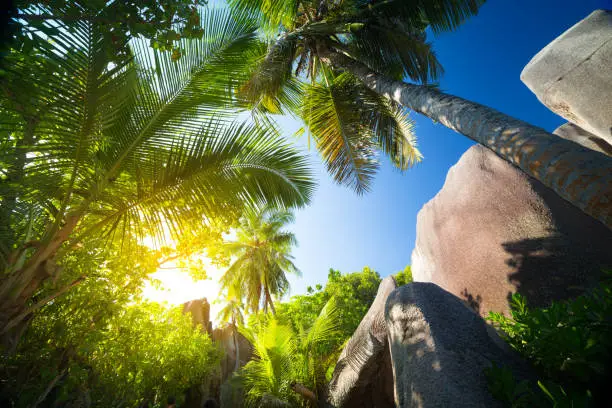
(177,287)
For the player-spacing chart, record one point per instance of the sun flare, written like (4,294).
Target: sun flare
(177,287)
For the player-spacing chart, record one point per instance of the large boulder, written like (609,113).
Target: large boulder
(572,75)
(234,345)
(363,377)
(200,313)
(578,135)
(492,231)
(440,349)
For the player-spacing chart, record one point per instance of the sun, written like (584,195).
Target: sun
(178,287)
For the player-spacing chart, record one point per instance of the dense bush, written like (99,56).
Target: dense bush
(569,345)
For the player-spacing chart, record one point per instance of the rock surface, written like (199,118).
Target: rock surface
(492,231)
(576,134)
(572,75)
(224,337)
(200,313)
(363,376)
(439,349)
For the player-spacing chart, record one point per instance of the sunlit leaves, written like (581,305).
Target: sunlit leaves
(161,23)
(103,341)
(286,356)
(148,144)
(272,14)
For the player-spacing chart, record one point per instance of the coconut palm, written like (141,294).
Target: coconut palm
(96,148)
(289,366)
(233,311)
(262,258)
(378,43)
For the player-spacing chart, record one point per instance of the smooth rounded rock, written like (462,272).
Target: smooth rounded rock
(572,75)
(362,377)
(578,135)
(440,349)
(492,231)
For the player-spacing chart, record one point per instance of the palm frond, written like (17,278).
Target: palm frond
(268,377)
(216,174)
(144,143)
(341,137)
(261,256)
(391,51)
(173,98)
(441,15)
(271,87)
(271,13)
(350,122)
(393,131)
(324,326)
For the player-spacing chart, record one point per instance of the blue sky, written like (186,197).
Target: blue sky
(483,60)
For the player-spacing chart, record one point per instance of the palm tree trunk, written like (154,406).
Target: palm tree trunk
(579,175)
(269,301)
(18,288)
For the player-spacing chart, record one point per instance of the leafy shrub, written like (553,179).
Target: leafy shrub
(569,345)
(286,357)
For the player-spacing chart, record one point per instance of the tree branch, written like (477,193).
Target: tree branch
(51,385)
(15,320)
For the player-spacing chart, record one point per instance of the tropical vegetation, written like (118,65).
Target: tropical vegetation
(289,368)
(94,148)
(569,345)
(297,349)
(101,344)
(136,134)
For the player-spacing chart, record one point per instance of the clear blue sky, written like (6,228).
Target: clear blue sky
(483,60)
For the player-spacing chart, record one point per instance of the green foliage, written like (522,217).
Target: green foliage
(569,344)
(303,341)
(349,122)
(102,343)
(404,277)
(233,311)
(146,134)
(147,146)
(353,294)
(286,356)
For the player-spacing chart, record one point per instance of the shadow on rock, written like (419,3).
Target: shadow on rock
(440,348)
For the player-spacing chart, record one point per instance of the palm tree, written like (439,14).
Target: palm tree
(288,363)
(97,148)
(262,258)
(378,43)
(233,311)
